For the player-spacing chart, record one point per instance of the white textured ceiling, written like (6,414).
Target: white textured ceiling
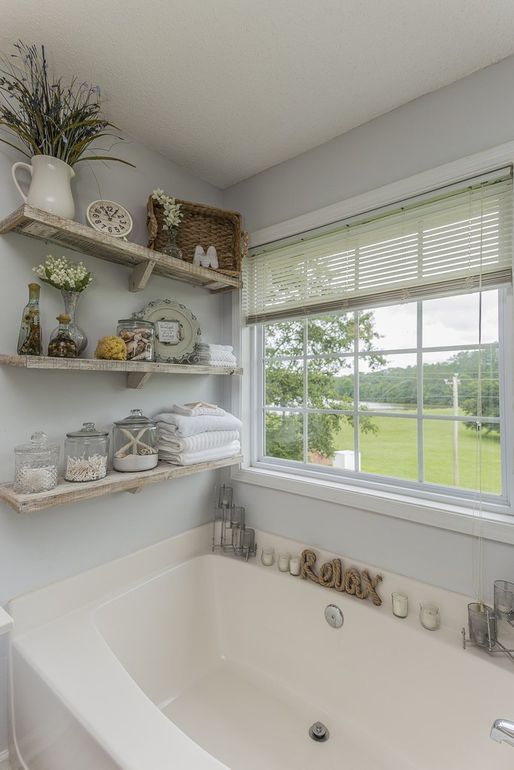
(232,87)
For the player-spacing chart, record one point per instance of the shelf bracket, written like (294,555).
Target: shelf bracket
(137,380)
(140,275)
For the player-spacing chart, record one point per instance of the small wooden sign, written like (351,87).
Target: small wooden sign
(333,575)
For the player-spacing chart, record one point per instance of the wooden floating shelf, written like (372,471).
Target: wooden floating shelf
(73,235)
(138,372)
(74,492)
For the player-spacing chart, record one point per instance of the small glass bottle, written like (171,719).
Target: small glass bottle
(29,338)
(62,344)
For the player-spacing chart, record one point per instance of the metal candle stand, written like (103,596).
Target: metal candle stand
(230,533)
(482,620)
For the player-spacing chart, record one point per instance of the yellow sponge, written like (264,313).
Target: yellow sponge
(111,348)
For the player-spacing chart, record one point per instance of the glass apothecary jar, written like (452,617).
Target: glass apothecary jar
(36,465)
(86,452)
(138,337)
(135,443)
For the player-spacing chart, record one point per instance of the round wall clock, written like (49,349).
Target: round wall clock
(110,218)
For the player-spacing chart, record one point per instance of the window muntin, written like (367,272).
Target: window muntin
(373,401)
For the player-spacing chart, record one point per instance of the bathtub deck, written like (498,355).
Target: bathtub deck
(250,724)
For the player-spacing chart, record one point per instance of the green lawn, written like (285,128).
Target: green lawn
(392,451)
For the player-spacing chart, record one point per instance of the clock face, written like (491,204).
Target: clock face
(110,218)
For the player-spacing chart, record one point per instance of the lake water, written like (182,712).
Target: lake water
(378,406)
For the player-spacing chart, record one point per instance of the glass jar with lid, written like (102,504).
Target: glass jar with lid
(138,337)
(36,465)
(86,453)
(135,443)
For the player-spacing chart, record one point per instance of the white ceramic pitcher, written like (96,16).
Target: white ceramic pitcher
(50,188)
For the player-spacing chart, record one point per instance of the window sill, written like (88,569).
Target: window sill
(498,526)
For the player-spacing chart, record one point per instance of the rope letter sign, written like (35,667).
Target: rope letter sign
(332,575)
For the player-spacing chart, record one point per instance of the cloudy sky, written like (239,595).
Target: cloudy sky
(448,321)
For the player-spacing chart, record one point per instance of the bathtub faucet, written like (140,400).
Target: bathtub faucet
(502,731)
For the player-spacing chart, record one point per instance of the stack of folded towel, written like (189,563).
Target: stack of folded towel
(197,433)
(216,355)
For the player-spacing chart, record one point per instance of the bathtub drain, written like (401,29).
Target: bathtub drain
(318,732)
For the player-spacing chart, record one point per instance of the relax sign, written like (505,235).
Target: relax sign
(333,575)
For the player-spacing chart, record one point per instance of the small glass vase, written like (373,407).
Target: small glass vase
(70,299)
(171,248)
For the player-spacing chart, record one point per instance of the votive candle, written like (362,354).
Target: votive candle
(268,556)
(283,562)
(400,604)
(429,616)
(294,565)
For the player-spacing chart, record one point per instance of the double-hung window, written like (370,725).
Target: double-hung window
(380,345)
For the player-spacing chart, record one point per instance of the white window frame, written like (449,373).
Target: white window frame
(494,519)
(377,481)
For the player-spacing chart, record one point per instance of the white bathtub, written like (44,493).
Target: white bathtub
(212,662)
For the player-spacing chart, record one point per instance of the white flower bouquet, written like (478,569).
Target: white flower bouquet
(64,274)
(173,215)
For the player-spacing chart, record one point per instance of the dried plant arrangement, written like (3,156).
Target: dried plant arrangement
(44,115)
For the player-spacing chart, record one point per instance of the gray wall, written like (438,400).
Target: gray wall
(473,114)
(39,548)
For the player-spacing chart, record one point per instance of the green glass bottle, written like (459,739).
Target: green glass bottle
(29,338)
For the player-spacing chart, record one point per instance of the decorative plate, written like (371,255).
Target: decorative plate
(177,331)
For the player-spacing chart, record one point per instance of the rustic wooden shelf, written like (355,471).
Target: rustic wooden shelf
(73,235)
(75,492)
(138,372)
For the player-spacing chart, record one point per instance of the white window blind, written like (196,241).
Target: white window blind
(451,241)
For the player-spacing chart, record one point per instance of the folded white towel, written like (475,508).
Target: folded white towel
(191,458)
(213,347)
(223,357)
(220,352)
(183,425)
(223,362)
(199,407)
(169,442)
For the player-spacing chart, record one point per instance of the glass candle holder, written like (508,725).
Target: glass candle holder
(482,624)
(504,599)
(268,556)
(225,496)
(283,562)
(295,565)
(400,605)
(429,616)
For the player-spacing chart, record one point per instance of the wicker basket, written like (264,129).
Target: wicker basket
(204,226)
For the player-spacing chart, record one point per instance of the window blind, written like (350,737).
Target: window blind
(455,240)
